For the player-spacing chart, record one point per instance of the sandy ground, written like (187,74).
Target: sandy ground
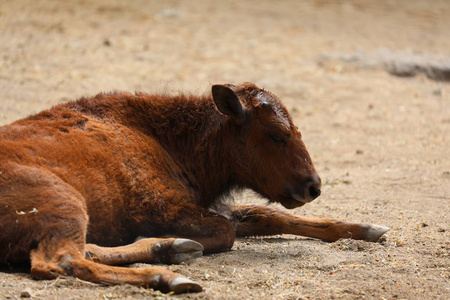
(380,142)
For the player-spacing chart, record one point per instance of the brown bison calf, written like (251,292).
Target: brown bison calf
(81,181)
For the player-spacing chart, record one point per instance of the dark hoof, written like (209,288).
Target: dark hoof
(375,232)
(185,245)
(182,284)
(183,250)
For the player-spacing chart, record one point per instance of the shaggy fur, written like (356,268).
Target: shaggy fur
(108,169)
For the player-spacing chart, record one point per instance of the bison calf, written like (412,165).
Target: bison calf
(80,182)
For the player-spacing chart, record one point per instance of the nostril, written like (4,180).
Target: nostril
(314,192)
(314,187)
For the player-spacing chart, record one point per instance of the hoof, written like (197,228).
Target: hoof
(183,250)
(184,245)
(182,284)
(375,232)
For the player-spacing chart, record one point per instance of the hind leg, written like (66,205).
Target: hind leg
(69,261)
(46,218)
(61,251)
(254,220)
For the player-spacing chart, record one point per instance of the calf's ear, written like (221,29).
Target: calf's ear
(228,103)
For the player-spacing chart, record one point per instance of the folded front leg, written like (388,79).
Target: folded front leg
(253,220)
(147,250)
(210,229)
(189,221)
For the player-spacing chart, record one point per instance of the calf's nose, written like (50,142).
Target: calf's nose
(313,188)
(314,192)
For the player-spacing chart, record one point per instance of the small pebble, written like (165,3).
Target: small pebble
(437,92)
(107,42)
(25,294)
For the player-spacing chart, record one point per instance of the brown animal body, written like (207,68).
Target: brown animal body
(81,181)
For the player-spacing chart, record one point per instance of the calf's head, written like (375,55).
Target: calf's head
(270,155)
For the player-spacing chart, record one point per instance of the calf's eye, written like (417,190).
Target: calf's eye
(277,139)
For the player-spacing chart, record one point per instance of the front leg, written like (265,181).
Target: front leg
(187,221)
(212,230)
(147,250)
(253,220)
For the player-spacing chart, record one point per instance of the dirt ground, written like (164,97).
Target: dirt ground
(380,142)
